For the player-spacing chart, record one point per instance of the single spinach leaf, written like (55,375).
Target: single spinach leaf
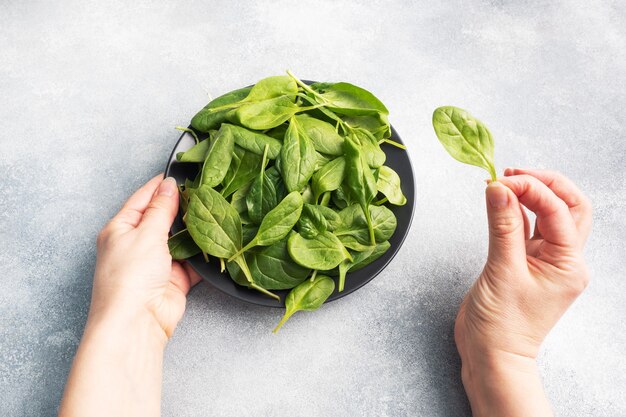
(329,177)
(348,99)
(254,141)
(266,114)
(213,224)
(272,87)
(196,153)
(466,138)
(322,252)
(243,168)
(277,223)
(377,124)
(323,135)
(359,260)
(208,119)
(273,268)
(308,296)
(353,231)
(360,182)
(312,221)
(218,158)
(388,183)
(262,196)
(297,158)
(182,246)
(370,148)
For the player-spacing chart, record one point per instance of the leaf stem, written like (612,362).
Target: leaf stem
(206,257)
(185,129)
(313,275)
(394,143)
(283,320)
(370,228)
(222,265)
(251,244)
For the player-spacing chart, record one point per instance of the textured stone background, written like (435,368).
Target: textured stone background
(91,91)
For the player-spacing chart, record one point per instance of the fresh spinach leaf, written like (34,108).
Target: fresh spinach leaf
(322,252)
(323,135)
(353,231)
(297,158)
(466,138)
(329,177)
(348,99)
(243,168)
(208,119)
(218,158)
(182,246)
(360,183)
(254,141)
(308,296)
(388,183)
(312,221)
(196,153)
(277,223)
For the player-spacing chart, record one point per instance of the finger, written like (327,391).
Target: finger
(506,227)
(180,278)
(162,209)
(131,212)
(526,222)
(194,277)
(554,221)
(566,190)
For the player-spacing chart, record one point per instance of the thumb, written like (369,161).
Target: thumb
(162,209)
(507,245)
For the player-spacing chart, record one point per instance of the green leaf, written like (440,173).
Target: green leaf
(218,158)
(388,184)
(182,246)
(196,153)
(297,158)
(359,260)
(322,252)
(243,168)
(308,296)
(213,224)
(273,268)
(374,156)
(353,231)
(254,141)
(266,114)
(466,138)
(312,221)
(272,87)
(377,124)
(360,182)
(277,223)
(348,99)
(207,119)
(329,177)
(323,135)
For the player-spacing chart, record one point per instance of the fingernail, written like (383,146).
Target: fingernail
(167,187)
(508,171)
(497,195)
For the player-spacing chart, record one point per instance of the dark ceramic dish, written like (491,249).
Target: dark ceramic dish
(397,159)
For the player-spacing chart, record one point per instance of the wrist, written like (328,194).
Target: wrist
(503,383)
(127,323)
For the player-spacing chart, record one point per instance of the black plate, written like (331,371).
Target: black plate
(397,159)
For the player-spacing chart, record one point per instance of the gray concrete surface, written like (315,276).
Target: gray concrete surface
(91,91)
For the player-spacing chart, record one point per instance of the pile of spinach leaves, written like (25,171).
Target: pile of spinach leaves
(291,188)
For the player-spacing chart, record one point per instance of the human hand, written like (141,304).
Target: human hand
(135,273)
(527,282)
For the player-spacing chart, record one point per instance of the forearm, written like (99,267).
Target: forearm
(117,369)
(504,385)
